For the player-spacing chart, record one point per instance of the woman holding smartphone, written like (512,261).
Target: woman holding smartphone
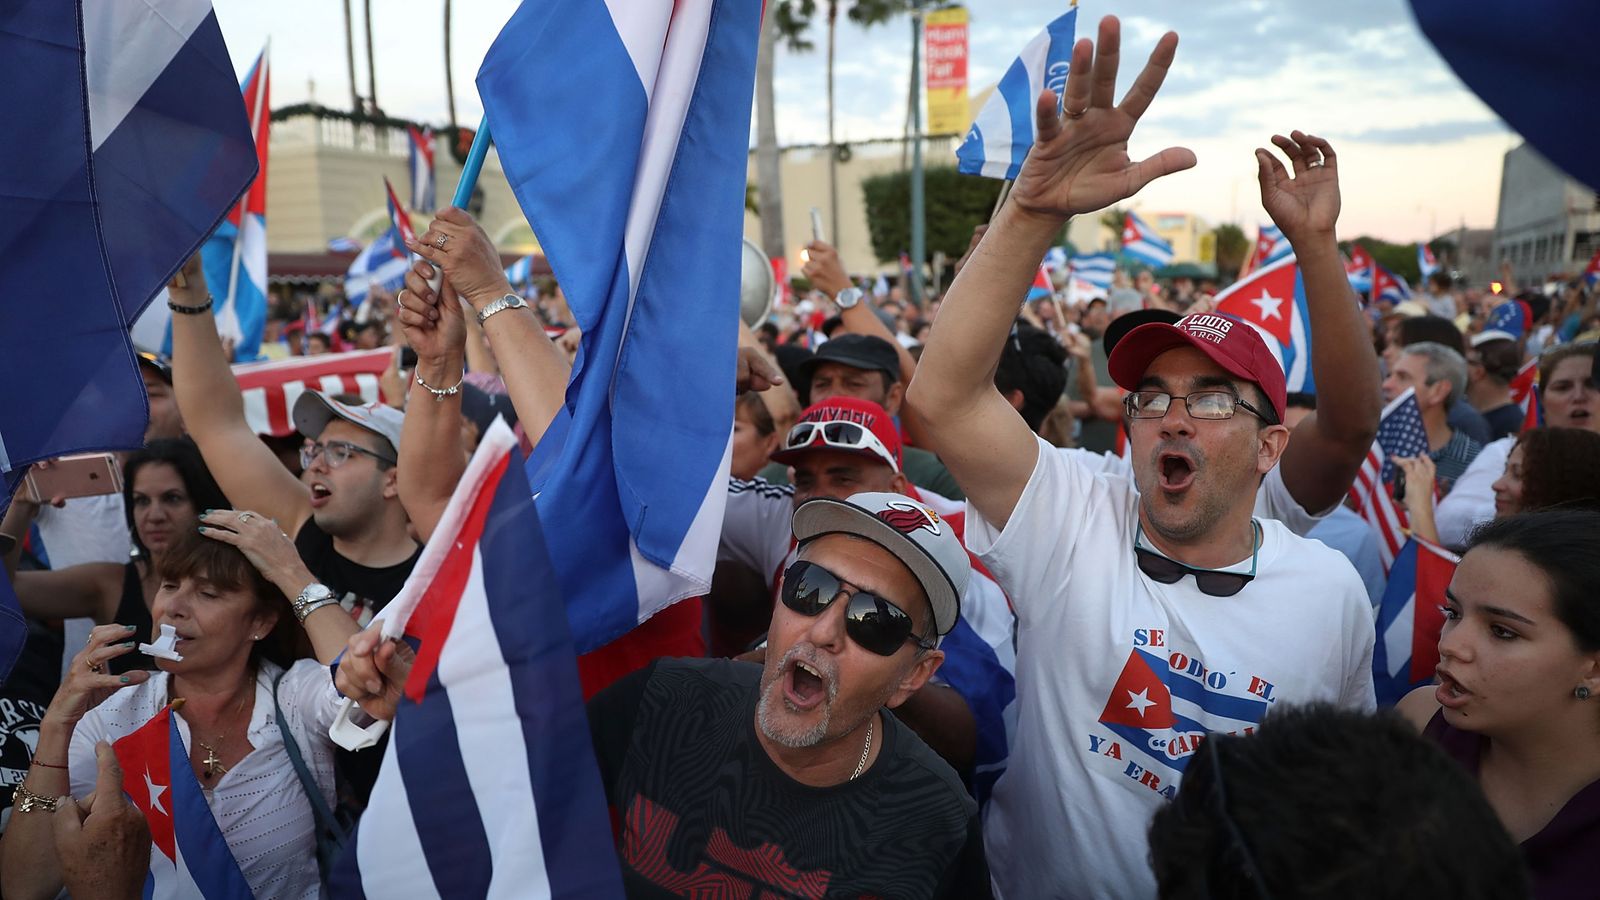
(165,487)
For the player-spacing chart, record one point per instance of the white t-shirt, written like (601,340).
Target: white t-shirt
(1273,500)
(260,805)
(1120,677)
(1470,502)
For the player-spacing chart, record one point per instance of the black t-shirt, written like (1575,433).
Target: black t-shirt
(131,610)
(704,811)
(363,590)
(1504,420)
(23,699)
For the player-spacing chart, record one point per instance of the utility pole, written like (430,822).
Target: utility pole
(919,249)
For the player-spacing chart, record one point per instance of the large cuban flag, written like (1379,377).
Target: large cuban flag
(127,143)
(235,256)
(189,858)
(624,195)
(1410,619)
(1002,133)
(1141,242)
(489,786)
(1272,300)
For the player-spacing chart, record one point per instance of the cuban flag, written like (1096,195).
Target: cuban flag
(1270,245)
(1002,133)
(1525,393)
(1055,259)
(1426,264)
(1167,714)
(1410,618)
(620,193)
(1400,433)
(1095,268)
(1042,286)
(383,263)
(96,221)
(1141,242)
(422,193)
(1358,267)
(520,274)
(1272,300)
(1591,273)
(188,856)
(344,245)
(1388,286)
(489,786)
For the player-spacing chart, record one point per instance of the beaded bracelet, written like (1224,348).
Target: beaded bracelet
(441,393)
(190,310)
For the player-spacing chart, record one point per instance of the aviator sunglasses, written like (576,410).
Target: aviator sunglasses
(874,623)
(1211,582)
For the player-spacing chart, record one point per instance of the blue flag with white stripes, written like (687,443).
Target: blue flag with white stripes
(1002,134)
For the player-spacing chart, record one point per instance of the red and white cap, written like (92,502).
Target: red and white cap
(314,410)
(909,529)
(1229,343)
(865,413)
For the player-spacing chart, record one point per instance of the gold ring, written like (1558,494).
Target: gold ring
(245,517)
(96,668)
(1074,115)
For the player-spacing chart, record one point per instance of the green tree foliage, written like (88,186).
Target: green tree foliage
(794,17)
(1232,248)
(956,204)
(1401,259)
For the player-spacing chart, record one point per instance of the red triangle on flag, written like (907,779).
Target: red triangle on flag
(1265,299)
(146,760)
(1139,699)
(1435,568)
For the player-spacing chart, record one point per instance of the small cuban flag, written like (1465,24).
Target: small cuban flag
(1359,268)
(1272,300)
(1410,619)
(188,856)
(1141,242)
(1002,134)
(1591,274)
(1388,286)
(1426,264)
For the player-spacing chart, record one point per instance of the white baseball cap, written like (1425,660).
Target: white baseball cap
(314,410)
(909,529)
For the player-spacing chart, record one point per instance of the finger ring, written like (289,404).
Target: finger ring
(440,241)
(1075,115)
(245,517)
(1314,164)
(96,668)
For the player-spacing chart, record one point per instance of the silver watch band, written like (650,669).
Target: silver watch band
(509,301)
(303,610)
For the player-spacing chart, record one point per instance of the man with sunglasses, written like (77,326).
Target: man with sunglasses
(842,446)
(1152,610)
(792,778)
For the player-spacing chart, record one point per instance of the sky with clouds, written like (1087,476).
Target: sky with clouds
(1419,154)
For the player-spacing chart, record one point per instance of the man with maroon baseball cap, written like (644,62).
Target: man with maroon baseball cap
(1154,610)
(839,447)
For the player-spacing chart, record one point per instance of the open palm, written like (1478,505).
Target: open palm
(1080,164)
(1308,203)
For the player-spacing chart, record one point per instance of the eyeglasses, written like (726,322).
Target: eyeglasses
(336,453)
(1211,582)
(874,623)
(1202,405)
(838,436)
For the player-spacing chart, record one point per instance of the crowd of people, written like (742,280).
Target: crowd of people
(1014,598)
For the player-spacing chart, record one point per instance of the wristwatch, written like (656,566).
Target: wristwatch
(509,301)
(314,597)
(848,297)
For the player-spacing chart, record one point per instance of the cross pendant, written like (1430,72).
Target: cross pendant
(213,763)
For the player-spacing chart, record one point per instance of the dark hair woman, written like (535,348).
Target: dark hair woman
(165,486)
(1519,663)
(223,589)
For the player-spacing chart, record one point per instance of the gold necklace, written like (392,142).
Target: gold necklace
(213,761)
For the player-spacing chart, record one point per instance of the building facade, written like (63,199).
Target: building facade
(1547,225)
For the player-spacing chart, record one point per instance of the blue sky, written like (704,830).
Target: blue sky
(1419,153)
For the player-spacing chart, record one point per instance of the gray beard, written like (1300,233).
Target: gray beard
(784,734)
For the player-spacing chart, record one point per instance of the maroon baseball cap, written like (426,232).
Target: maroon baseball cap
(1230,343)
(876,436)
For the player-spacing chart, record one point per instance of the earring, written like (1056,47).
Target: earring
(257,637)
(1581,692)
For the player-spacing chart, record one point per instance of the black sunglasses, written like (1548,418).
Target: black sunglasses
(874,623)
(1212,583)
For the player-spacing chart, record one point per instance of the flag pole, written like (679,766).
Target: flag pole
(244,202)
(470,168)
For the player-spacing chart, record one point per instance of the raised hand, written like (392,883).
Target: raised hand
(433,324)
(1307,205)
(455,243)
(824,269)
(87,682)
(1080,163)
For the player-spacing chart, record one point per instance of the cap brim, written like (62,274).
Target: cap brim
(1133,354)
(825,515)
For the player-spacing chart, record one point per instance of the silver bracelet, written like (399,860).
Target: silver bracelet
(440,394)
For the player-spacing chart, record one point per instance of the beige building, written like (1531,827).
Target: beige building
(1189,235)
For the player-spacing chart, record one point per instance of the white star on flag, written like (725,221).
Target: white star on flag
(1140,701)
(1268,305)
(156,790)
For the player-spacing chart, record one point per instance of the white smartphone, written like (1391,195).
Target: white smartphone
(816,224)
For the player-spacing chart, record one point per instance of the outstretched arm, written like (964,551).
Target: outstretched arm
(213,411)
(1327,448)
(1077,165)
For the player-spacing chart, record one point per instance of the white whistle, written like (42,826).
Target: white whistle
(164,647)
(347,734)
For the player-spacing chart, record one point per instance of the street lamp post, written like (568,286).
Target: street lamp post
(919,250)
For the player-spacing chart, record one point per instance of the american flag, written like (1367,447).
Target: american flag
(1400,433)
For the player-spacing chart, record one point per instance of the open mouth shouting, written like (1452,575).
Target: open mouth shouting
(319,494)
(1175,471)
(1450,693)
(805,684)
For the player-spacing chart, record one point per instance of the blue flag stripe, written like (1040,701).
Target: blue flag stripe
(443,805)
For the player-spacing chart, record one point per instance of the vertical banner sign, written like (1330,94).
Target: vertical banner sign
(948,111)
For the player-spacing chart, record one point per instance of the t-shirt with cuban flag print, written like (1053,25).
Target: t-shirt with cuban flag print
(1120,678)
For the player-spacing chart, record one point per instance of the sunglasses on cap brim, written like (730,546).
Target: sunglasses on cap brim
(838,436)
(875,624)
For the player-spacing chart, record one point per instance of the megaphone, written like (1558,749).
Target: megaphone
(758,287)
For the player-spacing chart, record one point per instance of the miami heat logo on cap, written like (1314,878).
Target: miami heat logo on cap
(908,517)
(1212,328)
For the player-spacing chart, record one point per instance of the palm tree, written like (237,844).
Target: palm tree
(768,178)
(449,79)
(350,58)
(372,76)
(794,16)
